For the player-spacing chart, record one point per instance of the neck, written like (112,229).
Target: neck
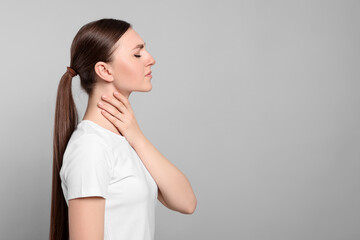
(93,112)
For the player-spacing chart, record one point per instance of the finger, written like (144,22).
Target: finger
(115,121)
(111,110)
(116,103)
(124,100)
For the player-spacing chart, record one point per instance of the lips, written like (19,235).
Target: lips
(148,73)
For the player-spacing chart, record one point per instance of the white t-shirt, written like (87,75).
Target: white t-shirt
(99,162)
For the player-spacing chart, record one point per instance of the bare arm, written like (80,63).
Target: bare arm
(161,199)
(86,218)
(175,191)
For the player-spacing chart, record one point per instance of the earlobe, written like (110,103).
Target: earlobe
(103,71)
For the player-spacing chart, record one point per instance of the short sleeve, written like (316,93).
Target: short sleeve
(87,168)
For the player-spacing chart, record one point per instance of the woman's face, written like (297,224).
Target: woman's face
(131,63)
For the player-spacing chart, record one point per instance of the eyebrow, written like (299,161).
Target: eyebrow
(140,46)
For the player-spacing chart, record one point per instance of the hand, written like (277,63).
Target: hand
(120,113)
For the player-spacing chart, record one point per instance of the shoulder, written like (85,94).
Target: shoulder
(88,147)
(88,140)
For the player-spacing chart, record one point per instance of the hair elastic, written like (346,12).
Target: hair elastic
(71,71)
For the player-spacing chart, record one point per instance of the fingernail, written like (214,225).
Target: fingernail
(101,104)
(116,93)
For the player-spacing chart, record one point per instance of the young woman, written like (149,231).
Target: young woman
(107,176)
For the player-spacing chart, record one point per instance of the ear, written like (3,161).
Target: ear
(104,71)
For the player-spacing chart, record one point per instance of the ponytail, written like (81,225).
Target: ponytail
(65,122)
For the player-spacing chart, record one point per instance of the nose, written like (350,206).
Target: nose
(152,61)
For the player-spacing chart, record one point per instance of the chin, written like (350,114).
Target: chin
(145,89)
(149,89)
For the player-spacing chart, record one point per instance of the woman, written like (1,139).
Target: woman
(107,176)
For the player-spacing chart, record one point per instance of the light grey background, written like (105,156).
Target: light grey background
(256,102)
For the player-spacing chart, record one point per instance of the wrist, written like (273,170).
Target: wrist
(139,142)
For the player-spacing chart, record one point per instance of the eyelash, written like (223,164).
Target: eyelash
(137,55)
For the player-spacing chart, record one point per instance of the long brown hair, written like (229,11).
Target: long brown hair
(94,42)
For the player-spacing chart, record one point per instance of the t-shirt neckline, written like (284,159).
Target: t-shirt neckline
(102,128)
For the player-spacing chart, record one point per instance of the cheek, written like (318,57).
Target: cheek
(130,72)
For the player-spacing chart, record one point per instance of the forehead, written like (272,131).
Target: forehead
(128,41)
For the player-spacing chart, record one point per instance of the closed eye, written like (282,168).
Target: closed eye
(137,55)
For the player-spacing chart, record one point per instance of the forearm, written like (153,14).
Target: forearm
(173,184)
